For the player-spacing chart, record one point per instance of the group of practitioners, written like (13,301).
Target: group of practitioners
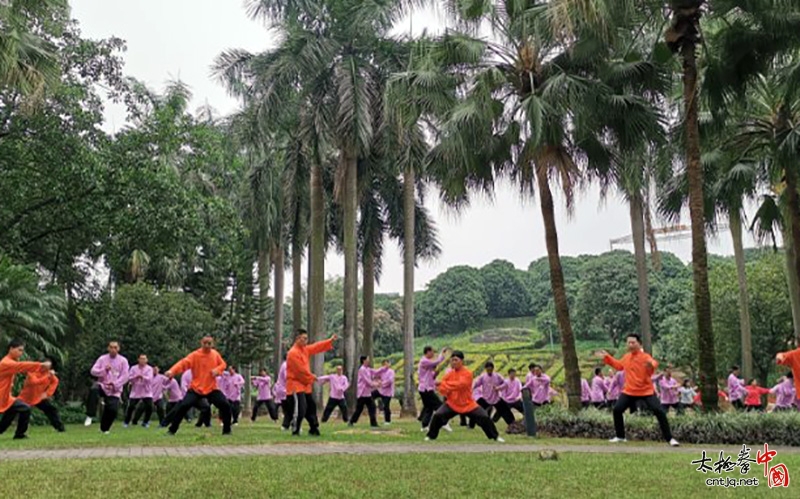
(206,380)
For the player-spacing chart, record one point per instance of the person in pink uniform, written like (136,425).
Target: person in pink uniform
(736,390)
(597,391)
(539,385)
(668,388)
(586,393)
(489,382)
(386,391)
(785,394)
(339,385)
(111,372)
(511,394)
(426,373)
(364,388)
(615,381)
(233,384)
(263,384)
(157,387)
(286,403)
(140,378)
(174,396)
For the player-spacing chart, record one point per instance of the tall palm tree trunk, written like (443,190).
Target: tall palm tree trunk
(263,291)
(316,272)
(409,206)
(792,281)
(348,162)
(702,296)
(297,285)
(248,389)
(637,229)
(277,342)
(735,222)
(790,174)
(571,369)
(369,304)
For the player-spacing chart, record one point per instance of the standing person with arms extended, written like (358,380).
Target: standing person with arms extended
(10,407)
(300,381)
(339,385)
(111,371)
(539,385)
(38,391)
(426,373)
(639,367)
(140,378)
(686,393)
(511,394)
(668,389)
(175,395)
(206,364)
(785,395)
(386,391)
(489,382)
(263,384)
(736,390)
(366,385)
(232,389)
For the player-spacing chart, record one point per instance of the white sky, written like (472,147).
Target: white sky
(179,39)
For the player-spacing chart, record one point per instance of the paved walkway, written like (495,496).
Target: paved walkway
(352,449)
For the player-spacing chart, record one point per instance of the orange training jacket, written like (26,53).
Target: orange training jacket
(298,375)
(638,374)
(201,364)
(37,387)
(456,386)
(8,369)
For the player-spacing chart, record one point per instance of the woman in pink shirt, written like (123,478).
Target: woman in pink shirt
(668,388)
(263,384)
(339,385)
(586,393)
(511,394)
(597,392)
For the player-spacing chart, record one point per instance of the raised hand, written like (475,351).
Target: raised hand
(780,357)
(600,354)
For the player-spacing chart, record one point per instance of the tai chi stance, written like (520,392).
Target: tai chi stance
(111,371)
(10,407)
(299,380)
(263,384)
(339,384)
(38,390)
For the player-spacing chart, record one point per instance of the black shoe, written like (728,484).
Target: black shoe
(61,430)
(227,433)
(314,433)
(20,437)
(295,434)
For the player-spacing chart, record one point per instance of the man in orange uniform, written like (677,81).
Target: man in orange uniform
(456,387)
(10,366)
(791,360)
(37,391)
(639,367)
(206,364)
(299,380)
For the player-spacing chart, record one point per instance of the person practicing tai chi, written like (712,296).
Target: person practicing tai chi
(753,399)
(614,382)
(339,385)
(140,378)
(597,392)
(111,371)
(299,380)
(791,360)
(686,392)
(586,393)
(511,394)
(157,387)
(386,391)
(639,367)
(736,389)
(456,388)
(10,407)
(785,395)
(174,396)
(668,388)
(285,403)
(489,382)
(231,386)
(38,391)
(367,377)
(263,384)
(539,385)
(426,373)
(206,364)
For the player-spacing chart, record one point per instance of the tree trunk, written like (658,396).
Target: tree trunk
(702,296)
(571,369)
(297,286)
(316,272)
(277,342)
(637,229)
(409,206)
(793,197)
(735,221)
(248,397)
(263,290)
(369,305)
(347,157)
(794,284)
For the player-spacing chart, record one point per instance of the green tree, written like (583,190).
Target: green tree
(506,294)
(453,302)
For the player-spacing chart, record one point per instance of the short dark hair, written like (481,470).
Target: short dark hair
(734,368)
(636,337)
(488,365)
(534,365)
(142,355)
(790,375)
(299,333)
(512,371)
(362,358)
(427,349)
(598,370)
(15,343)
(686,382)
(457,353)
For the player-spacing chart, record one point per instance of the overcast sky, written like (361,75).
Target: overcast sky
(179,39)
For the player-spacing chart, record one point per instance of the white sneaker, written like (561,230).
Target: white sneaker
(674,443)
(88,421)
(427,439)
(500,440)
(387,424)
(424,430)
(106,432)
(447,428)
(124,425)
(617,440)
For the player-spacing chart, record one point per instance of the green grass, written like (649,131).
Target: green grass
(391,476)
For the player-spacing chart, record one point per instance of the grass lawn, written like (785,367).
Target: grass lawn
(390,476)
(262,432)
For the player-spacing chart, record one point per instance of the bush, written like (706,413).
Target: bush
(722,428)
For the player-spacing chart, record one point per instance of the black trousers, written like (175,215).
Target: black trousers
(171,409)
(652,403)
(367,402)
(333,404)
(132,412)
(305,408)
(738,404)
(445,413)
(159,406)
(204,416)
(51,411)
(236,409)
(682,407)
(271,408)
(430,403)
(192,399)
(287,406)
(486,407)
(517,404)
(22,411)
(387,408)
(110,409)
(755,408)
(667,407)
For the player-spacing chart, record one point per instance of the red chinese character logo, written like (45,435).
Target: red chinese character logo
(778,476)
(766,457)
